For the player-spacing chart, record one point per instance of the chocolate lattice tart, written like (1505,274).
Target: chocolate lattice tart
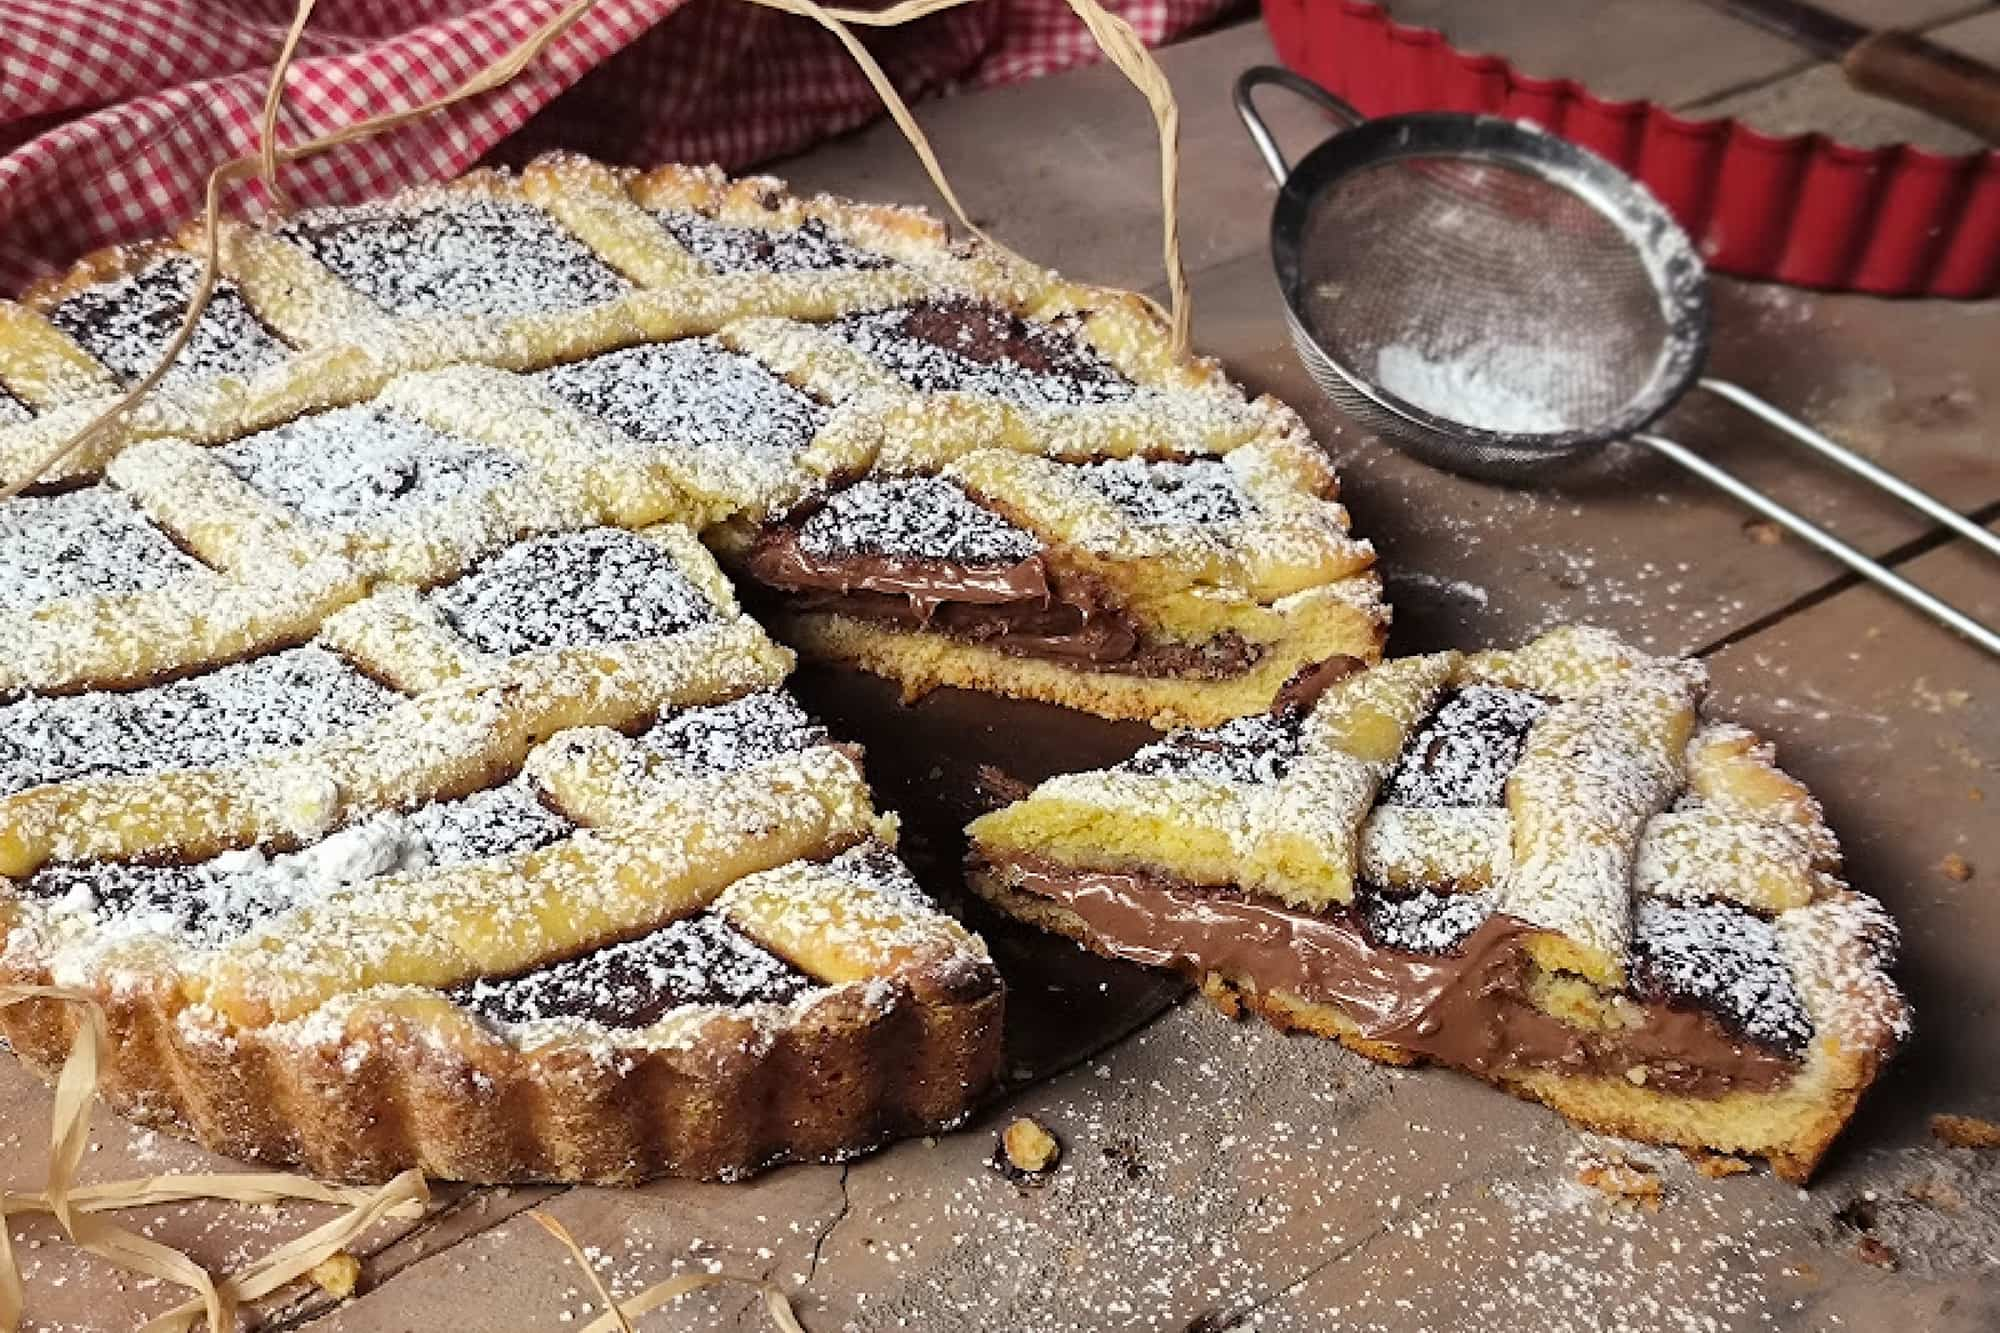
(925,459)
(1541,866)
(534,873)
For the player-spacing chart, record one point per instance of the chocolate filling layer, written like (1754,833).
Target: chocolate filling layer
(1026,608)
(1467,1008)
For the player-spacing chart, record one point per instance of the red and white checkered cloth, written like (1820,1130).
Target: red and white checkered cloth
(113,112)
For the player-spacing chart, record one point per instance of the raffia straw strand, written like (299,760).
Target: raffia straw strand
(74,1206)
(238,1187)
(274,96)
(300,1254)
(493,76)
(1123,48)
(618,1315)
(892,101)
(1113,35)
(776,1304)
(561,1233)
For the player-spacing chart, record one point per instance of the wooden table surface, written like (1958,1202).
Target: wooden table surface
(1220,1176)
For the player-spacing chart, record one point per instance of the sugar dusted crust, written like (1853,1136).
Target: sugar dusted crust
(377,1084)
(441,475)
(353,307)
(1714,889)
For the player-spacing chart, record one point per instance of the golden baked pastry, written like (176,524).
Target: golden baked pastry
(530,873)
(930,460)
(384,752)
(1542,866)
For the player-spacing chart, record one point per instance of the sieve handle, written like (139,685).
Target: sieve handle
(1260,134)
(1841,456)
(1878,574)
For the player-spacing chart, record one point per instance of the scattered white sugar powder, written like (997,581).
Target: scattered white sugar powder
(12,410)
(967,346)
(441,252)
(211,902)
(599,586)
(807,248)
(1512,389)
(90,541)
(693,392)
(914,518)
(700,959)
(286,699)
(127,323)
(727,738)
(1198,493)
(355,465)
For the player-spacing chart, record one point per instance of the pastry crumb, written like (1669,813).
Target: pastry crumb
(1955,867)
(1623,1181)
(337,1275)
(1965,1131)
(1718,1165)
(1029,1147)
(1763,532)
(1871,1251)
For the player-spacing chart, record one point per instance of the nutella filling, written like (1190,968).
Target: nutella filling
(921,552)
(1023,607)
(1467,1008)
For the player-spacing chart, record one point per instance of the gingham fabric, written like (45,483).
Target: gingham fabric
(112,112)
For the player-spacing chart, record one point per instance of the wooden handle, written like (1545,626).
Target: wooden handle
(1903,67)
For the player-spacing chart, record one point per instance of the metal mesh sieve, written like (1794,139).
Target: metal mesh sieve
(1497,301)
(1493,297)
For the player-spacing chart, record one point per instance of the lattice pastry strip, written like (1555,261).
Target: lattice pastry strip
(41,367)
(1568,888)
(924,430)
(367,484)
(539,672)
(1259,521)
(117,309)
(659,432)
(675,223)
(500,917)
(197,621)
(1256,803)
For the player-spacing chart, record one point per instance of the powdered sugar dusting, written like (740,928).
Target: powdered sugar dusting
(127,323)
(1724,959)
(1425,921)
(967,347)
(93,540)
(697,960)
(1256,749)
(270,703)
(599,586)
(693,393)
(12,410)
(1462,754)
(728,738)
(499,821)
(354,465)
(1497,388)
(917,518)
(97,905)
(449,253)
(728,248)
(1195,494)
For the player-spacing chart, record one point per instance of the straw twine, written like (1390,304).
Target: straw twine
(76,1208)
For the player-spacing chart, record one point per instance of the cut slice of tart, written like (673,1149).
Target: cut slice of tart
(1542,866)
